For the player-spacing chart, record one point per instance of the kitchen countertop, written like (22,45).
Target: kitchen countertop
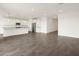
(14,27)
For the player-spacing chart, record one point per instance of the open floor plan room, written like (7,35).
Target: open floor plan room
(39,29)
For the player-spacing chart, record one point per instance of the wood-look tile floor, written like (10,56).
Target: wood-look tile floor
(37,44)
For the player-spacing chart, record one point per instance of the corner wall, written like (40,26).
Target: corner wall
(52,25)
(68,24)
(47,25)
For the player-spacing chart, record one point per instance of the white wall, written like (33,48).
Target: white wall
(68,24)
(30,21)
(38,25)
(1,25)
(47,25)
(52,25)
(30,24)
(41,24)
(44,24)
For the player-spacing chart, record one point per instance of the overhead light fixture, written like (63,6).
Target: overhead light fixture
(60,10)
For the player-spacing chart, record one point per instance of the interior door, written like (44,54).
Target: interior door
(33,27)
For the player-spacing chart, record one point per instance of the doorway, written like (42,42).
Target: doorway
(33,27)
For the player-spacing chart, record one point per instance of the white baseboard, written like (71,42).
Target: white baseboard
(69,36)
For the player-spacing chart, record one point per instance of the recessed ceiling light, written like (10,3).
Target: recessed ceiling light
(33,9)
(60,10)
(60,3)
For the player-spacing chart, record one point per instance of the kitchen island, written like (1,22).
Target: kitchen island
(10,31)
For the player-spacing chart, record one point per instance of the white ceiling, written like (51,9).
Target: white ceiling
(29,10)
